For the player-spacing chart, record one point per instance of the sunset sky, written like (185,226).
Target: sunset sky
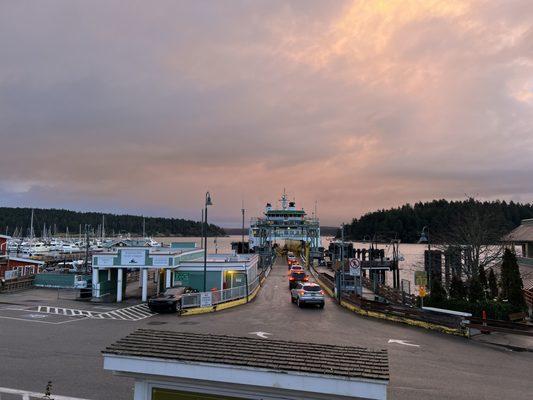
(140,107)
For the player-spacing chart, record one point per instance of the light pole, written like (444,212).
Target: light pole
(242,232)
(424,238)
(342,263)
(208,202)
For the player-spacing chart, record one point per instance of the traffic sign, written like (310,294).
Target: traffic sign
(355,267)
(206,299)
(421,278)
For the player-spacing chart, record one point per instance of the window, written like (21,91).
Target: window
(168,394)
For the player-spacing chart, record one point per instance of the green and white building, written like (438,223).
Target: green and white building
(181,265)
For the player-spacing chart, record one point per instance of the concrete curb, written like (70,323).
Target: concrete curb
(378,315)
(223,306)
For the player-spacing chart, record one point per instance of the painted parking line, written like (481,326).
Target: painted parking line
(132,313)
(32,315)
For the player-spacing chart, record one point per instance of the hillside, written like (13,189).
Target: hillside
(60,220)
(408,220)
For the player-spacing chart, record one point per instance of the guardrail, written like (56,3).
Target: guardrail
(392,295)
(447,320)
(493,325)
(191,300)
(16,284)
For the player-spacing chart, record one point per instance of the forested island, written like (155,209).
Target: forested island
(441,216)
(57,221)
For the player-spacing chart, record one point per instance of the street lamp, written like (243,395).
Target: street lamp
(208,202)
(424,238)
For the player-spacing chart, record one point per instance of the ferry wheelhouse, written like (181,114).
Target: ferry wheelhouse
(284,224)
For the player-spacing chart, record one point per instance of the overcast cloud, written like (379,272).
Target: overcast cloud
(134,106)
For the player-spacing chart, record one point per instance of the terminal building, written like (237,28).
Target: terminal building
(180,265)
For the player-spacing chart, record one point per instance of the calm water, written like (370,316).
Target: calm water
(413,253)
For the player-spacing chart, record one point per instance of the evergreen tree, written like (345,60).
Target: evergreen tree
(475,290)
(457,288)
(407,221)
(511,281)
(493,284)
(483,278)
(437,294)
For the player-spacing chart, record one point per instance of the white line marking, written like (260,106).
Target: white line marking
(262,335)
(404,342)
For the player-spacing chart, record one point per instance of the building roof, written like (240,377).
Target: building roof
(128,243)
(524,233)
(278,355)
(27,260)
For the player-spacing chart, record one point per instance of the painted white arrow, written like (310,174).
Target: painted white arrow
(262,335)
(404,342)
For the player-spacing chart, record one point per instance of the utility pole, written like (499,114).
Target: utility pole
(86,248)
(242,210)
(342,263)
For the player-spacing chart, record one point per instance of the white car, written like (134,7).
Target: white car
(307,293)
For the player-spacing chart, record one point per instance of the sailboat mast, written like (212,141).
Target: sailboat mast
(31,225)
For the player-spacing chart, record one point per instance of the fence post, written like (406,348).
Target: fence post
(246,279)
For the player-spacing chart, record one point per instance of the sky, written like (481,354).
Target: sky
(141,107)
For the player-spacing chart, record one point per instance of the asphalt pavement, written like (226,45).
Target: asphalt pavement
(423,364)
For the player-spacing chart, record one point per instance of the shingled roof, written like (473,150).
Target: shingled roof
(277,355)
(524,233)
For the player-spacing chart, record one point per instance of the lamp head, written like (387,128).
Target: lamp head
(423,238)
(208,201)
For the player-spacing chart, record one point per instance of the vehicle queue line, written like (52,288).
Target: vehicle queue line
(302,291)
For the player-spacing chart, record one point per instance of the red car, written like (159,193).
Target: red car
(296,277)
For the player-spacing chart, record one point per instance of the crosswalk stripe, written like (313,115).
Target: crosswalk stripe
(131,313)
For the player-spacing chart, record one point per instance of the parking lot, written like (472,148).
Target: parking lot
(423,364)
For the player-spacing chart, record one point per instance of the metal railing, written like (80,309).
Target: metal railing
(190,300)
(17,284)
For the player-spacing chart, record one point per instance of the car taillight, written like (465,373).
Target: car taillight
(291,278)
(306,279)
(301,292)
(321,292)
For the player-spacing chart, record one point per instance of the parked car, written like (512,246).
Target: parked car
(307,293)
(296,277)
(169,300)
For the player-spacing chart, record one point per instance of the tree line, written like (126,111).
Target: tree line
(58,221)
(406,222)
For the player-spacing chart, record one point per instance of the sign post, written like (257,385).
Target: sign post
(206,299)
(421,280)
